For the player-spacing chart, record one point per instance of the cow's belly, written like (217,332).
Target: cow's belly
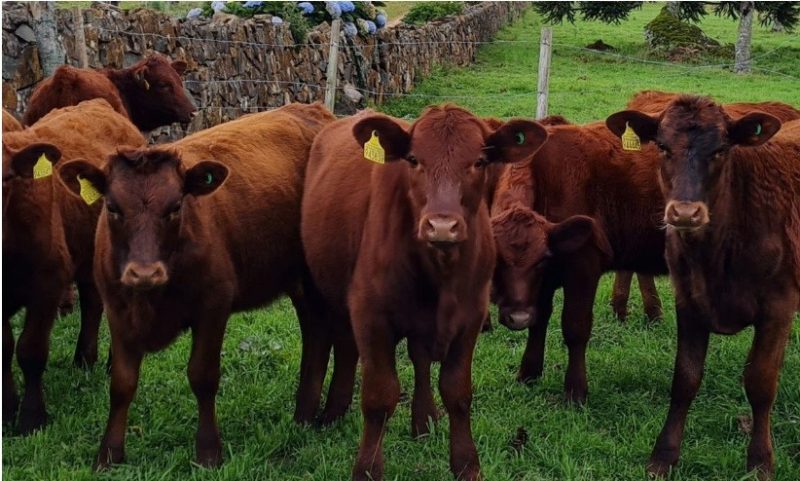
(725,305)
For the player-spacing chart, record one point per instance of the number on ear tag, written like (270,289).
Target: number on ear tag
(42,168)
(373,150)
(630,141)
(88,192)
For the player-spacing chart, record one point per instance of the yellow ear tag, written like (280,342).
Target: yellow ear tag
(630,141)
(373,150)
(88,193)
(42,168)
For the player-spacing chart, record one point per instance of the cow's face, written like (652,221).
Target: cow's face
(694,136)
(447,152)
(527,244)
(18,166)
(144,191)
(160,93)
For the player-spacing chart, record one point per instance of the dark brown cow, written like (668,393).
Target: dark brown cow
(581,171)
(647,287)
(655,101)
(149,92)
(172,257)
(407,247)
(733,246)
(48,241)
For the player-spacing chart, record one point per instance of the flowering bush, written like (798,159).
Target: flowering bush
(364,18)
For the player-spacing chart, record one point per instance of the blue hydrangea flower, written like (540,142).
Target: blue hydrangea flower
(380,20)
(371,27)
(195,13)
(252,4)
(306,7)
(347,6)
(277,20)
(350,29)
(334,9)
(218,6)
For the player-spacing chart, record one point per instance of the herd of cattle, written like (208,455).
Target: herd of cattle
(413,241)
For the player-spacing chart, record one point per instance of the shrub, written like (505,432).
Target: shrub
(426,11)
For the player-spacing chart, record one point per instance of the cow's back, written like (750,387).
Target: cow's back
(10,123)
(255,215)
(71,86)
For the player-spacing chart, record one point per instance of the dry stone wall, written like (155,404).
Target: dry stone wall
(238,65)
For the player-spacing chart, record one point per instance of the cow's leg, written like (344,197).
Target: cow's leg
(533,359)
(487,322)
(345,360)
(317,341)
(650,298)
(689,365)
(91,314)
(33,349)
(204,374)
(621,293)
(576,325)
(761,384)
(380,392)
(10,399)
(423,408)
(124,380)
(455,385)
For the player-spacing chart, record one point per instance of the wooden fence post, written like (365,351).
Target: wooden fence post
(80,37)
(545,51)
(332,73)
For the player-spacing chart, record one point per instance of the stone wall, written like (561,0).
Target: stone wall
(245,65)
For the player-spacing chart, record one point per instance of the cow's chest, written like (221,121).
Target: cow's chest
(151,324)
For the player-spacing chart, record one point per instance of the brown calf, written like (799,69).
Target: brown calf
(172,257)
(150,92)
(655,101)
(732,190)
(407,247)
(582,207)
(48,241)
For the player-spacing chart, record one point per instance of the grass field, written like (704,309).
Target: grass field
(629,365)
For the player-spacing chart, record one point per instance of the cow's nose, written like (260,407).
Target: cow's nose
(517,319)
(686,215)
(144,276)
(443,229)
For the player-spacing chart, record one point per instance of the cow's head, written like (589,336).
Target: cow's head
(527,244)
(144,191)
(695,137)
(19,165)
(157,96)
(447,152)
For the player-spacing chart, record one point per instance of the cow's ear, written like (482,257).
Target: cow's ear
(204,178)
(571,234)
(392,137)
(35,160)
(140,76)
(81,178)
(179,66)
(753,129)
(645,126)
(515,141)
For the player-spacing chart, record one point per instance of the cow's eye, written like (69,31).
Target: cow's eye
(480,163)
(113,210)
(174,211)
(412,159)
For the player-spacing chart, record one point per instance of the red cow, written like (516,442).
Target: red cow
(10,123)
(48,241)
(171,256)
(655,101)
(150,92)
(732,190)
(406,250)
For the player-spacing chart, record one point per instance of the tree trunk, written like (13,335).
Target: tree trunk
(674,8)
(744,37)
(45,27)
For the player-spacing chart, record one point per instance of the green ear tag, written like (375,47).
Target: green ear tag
(88,192)
(373,150)
(630,141)
(42,168)
(209,179)
(520,138)
(758,129)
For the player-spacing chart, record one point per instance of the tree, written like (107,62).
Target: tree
(744,37)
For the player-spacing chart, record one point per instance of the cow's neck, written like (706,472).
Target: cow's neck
(32,221)
(127,85)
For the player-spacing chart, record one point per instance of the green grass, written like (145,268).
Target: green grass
(630,365)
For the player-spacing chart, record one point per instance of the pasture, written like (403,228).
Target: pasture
(523,433)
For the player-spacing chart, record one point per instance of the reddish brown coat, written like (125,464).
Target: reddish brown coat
(191,232)
(405,248)
(48,240)
(150,92)
(655,101)
(10,123)
(733,248)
